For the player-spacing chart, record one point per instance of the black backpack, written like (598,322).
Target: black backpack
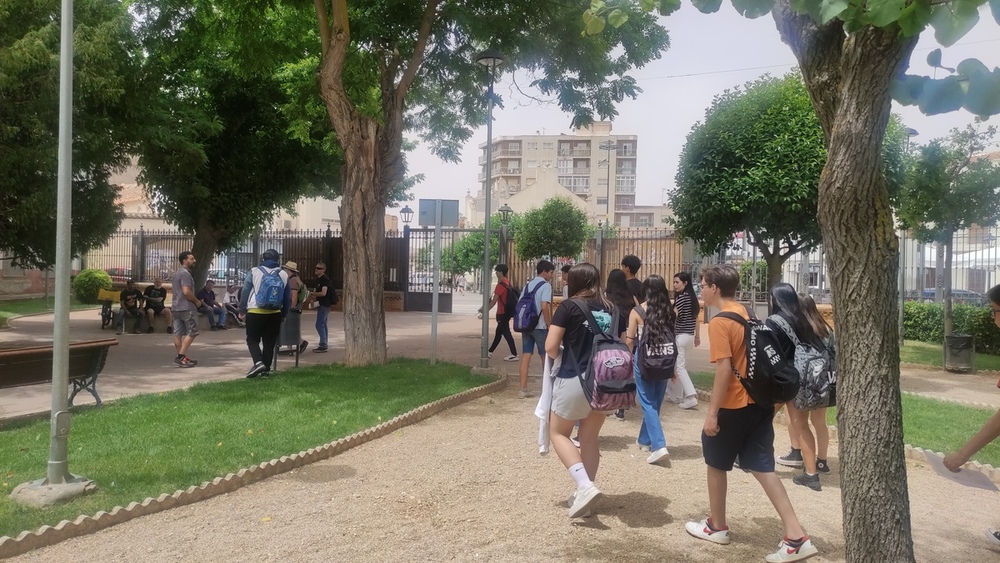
(770,378)
(656,362)
(510,300)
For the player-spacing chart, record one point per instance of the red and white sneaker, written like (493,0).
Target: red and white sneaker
(704,531)
(788,552)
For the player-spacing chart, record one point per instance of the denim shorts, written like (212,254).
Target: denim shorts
(185,324)
(533,339)
(747,433)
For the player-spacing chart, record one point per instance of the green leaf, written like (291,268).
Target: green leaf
(831,9)
(707,6)
(952,21)
(597,6)
(914,18)
(934,58)
(982,97)
(811,7)
(907,89)
(883,12)
(648,5)
(595,24)
(668,7)
(941,96)
(617,18)
(753,8)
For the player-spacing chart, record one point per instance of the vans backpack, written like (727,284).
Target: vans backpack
(271,293)
(609,383)
(817,374)
(510,299)
(525,314)
(769,379)
(656,361)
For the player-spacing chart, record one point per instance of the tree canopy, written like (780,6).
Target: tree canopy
(106,107)
(558,228)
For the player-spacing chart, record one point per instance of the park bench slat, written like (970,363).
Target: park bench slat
(31,366)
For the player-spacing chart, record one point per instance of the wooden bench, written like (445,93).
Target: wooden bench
(31,366)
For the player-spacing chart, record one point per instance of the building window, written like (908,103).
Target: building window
(547,146)
(601,201)
(565,166)
(528,164)
(576,184)
(532,145)
(600,182)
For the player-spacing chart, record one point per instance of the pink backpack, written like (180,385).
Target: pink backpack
(609,383)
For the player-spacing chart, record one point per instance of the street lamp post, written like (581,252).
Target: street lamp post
(490,59)
(910,132)
(608,146)
(505,213)
(406,214)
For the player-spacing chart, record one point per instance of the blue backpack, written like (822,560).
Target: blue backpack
(525,315)
(271,293)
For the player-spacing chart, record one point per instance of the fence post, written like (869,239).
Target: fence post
(142,255)
(406,267)
(599,245)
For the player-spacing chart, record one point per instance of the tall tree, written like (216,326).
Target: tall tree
(106,104)
(419,54)
(754,165)
(852,56)
(557,228)
(230,142)
(949,189)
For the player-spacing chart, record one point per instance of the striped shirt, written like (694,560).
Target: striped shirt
(685,319)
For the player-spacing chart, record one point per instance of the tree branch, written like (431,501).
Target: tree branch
(417,57)
(324,25)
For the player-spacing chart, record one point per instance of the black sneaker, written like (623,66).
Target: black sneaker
(185,362)
(620,414)
(149,330)
(320,349)
(257,369)
(792,459)
(822,466)
(807,480)
(170,330)
(302,346)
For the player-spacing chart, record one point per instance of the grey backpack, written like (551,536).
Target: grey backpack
(817,374)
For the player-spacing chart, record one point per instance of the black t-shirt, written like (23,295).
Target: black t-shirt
(130,297)
(159,295)
(787,346)
(635,286)
(578,339)
(326,300)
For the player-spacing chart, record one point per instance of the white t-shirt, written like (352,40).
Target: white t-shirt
(542,295)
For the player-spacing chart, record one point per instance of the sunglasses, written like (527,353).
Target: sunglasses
(993,312)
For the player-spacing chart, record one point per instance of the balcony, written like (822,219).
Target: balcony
(624,207)
(482,159)
(626,152)
(499,153)
(624,189)
(581,171)
(506,171)
(564,151)
(482,178)
(625,171)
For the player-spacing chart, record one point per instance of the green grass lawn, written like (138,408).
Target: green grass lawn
(928,423)
(925,353)
(19,307)
(147,445)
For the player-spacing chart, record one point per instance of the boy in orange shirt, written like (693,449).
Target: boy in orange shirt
(737,427)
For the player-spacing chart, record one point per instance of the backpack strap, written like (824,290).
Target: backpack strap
(532,292)
(589,315)
(786,328)
(746,327)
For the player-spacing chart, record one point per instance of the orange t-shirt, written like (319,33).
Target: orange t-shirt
(726,340)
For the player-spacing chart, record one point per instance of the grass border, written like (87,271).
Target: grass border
(85,524)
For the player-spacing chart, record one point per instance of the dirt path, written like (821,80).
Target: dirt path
(469,484)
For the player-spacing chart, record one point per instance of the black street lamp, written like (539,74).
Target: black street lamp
(406,214)
(608,146)
(491,59)
(505,213)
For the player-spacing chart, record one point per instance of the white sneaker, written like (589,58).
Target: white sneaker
(788,553)
(689,403)
(993,536)
(642,447)
(512,358)
(703,531)
(575,440)
(657,455)
(583,500)
(524,394)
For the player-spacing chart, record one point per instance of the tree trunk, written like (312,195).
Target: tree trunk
(948,315)
(848,80)
(774,264)
(204,247)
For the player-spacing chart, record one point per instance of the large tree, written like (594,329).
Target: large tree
(754,165)
(853,56)
(106,105)
(557,228)
(230,142)
(419,54)
(951,187)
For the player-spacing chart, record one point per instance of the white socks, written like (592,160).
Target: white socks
(579,474)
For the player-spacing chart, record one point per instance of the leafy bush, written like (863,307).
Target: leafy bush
(87,283)
(925,322)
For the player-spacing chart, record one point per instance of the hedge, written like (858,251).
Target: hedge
(925,322)
(87,283)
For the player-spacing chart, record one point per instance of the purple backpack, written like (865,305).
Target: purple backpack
(609,383)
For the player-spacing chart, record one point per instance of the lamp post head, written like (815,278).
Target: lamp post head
(911,132)
(505,213)
(490,58)
(608,146)
(406,214)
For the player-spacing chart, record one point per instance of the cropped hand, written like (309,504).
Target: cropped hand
(711,425)
(954,462)
(697,340)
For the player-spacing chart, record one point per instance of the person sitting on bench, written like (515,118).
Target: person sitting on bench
(211,307)
(155,296)
(130,300)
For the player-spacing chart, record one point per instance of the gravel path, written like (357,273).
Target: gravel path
(469,484)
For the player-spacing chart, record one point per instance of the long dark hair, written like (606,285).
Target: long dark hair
(584,281)
(816,320)
(617,291)
(685,278)
(659,313)
(784,299)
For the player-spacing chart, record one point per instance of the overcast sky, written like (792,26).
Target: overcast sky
(707,54)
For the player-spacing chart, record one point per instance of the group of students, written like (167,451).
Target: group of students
(736,429)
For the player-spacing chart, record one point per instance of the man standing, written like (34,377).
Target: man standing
(535,339)
(212,308)
(130,299)
(155,296)
(631,265)
(295,287)
(565,280)
(185,304)
(264,304)
(325,297)
(504,316)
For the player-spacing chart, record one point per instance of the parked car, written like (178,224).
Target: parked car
(119,274)
(958,296)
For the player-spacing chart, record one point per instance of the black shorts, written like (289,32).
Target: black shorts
(156,310)
(747,433)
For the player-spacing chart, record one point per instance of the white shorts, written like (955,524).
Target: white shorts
(568,400)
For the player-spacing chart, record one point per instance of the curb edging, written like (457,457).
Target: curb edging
(86,524)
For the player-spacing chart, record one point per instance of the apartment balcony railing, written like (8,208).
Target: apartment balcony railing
(625,172)
(624,189)
(482,177)
(581,171)
(482,159)
(574,152)
(499,153)
(624,207)
(626,153)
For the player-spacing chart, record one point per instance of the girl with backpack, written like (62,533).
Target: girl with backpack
(818,416)
(787,312)
(650,324)
(570,336)
(688,329)
(619,295)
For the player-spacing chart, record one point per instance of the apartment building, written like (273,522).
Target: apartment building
(592,167)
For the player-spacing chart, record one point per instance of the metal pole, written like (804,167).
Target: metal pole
(902,281)
(58,468)
(436,276)
(484,360)
(607,200)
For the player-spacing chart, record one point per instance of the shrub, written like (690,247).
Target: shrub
(925,322)
(87,283)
